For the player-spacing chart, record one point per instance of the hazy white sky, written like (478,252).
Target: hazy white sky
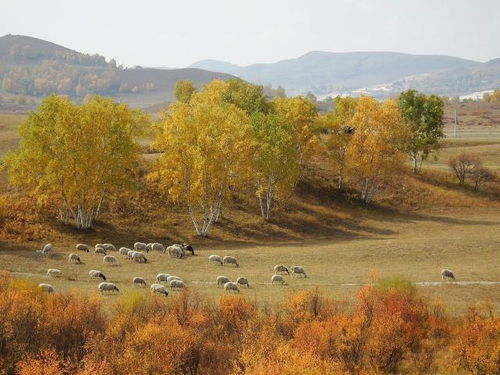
(177,33)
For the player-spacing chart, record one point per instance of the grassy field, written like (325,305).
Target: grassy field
(341,245)
(416,246)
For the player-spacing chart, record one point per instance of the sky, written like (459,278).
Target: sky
(165,33)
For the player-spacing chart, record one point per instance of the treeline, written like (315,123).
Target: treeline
(224,142)
(390,329)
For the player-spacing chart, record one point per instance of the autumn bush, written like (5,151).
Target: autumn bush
(392,329)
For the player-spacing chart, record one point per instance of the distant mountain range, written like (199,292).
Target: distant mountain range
(377,73)
(36,68)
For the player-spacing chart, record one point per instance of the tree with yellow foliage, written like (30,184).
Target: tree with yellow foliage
(277,165)
(374,154)
(340,130)
(77,156)
(207,152)
(301,115)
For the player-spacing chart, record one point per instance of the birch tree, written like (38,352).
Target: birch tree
(77,156)
(424,120)
(340,130)
(374,153)
(277,160)
(207,152)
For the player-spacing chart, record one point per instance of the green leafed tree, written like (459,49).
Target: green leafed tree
(277,163)
(183,91)
(247,96)
(424,118)
(77,156)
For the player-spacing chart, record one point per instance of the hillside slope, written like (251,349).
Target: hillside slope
(36,68)
(328,72)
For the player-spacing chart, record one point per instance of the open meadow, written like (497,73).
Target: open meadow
(342,246)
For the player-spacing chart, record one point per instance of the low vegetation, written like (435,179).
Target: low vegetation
(390,329)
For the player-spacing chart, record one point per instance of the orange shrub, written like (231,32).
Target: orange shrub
(47,363)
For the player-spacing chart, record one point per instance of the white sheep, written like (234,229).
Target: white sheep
(110,259)
(140,246)
(277,279)
(109,247)
(162,277)
(83,247)
(242,281)
(157,247)
(100,250)
(107,287)
(139,281)
(74,258)
(158,288)
(447,274)
(130,253)
(231,287)
(221,280)
(54,272)
(215,259)
(94,274)
(177,284)
(139,257)
(124,251)
(46,250)
(172,277)
(280,268)
(230,260)
(176,250)
(298,270)
(46,288)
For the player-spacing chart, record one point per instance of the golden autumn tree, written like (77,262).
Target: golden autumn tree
(277,164)
(207,152)
(374,153)
(340,131)
(77,156)
(301,115)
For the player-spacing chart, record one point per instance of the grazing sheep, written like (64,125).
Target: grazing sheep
(158,288)
(139,257)
(74,258)
(139,281)
(221,280)
(158,247)
(46,288)
(177,284)
(140,246)
(215,259)
(176,250)
(298,270)
(280,268)
(83,247)
(94,274)
(162,277)
(46,250)
(447,274)
(124,251)
(130,253)
(230,260)
(54,272)
(109,247)
(242,281)
(188,247)
(231,287)
(277,279)
(100,250)
(110,259)
(107,287)
(170,278)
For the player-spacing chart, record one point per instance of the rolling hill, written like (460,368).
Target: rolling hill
(35,68)
(377,73)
